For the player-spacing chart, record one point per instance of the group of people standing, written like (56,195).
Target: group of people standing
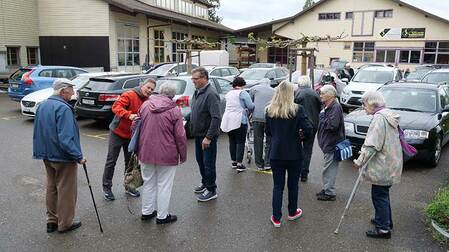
(285,120)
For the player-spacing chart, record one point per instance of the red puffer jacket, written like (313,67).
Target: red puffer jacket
(128,103)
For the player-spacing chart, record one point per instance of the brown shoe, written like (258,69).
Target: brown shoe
(75,225)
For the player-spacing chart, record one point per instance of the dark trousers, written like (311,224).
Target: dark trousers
(307,145)
(380,196)
(237,139)
(206,161)
(115,144)
(279,168)
(259,134)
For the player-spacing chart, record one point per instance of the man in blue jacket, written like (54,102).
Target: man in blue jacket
(56,141)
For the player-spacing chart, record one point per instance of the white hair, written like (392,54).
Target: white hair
(304,81)
(373,98)
(168,89)
(328,90)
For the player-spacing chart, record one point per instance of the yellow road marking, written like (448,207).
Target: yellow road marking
(99,136)
(258,171)
(7,118)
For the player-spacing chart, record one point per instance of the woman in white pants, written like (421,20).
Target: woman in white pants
(162,146)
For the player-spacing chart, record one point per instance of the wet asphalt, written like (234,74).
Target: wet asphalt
(237,221)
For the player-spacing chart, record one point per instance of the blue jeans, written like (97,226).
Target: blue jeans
(279,168)
(206,161)
(380,196)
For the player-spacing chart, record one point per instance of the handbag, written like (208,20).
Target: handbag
(343,150)
(133,177)
(134,142)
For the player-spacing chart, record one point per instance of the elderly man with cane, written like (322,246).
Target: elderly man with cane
(56,141)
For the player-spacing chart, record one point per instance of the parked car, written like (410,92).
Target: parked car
(33,78)
(172,69)
(369,78)
(95,99)
(437,76)
(424,113)
(31,102)
(226,72)
(185,90)
(146,68)
(262,65)
(256,76)
(330,78)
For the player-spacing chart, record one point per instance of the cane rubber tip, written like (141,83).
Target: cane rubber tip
(335,232)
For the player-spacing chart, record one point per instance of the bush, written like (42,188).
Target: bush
(438,209)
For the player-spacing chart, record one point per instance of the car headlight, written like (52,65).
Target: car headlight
(349,127)
(416,134)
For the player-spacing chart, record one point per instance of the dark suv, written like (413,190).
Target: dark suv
(95,99)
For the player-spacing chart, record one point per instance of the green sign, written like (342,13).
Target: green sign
(411,33)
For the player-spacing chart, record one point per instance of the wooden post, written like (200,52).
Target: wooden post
(304,59)
(189,57)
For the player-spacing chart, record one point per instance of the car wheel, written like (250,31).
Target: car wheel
(434,158)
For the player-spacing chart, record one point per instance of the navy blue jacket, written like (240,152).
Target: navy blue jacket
(285,139)
(56,135)
(331,129)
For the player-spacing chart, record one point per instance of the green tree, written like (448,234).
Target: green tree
(308,3)
(213,16)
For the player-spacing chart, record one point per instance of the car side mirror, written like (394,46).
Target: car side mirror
(271,78)
(446,109)
(345,80)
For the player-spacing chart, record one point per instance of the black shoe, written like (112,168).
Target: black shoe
(320,193)
(326,197)
(133,193)
(52,227)
(108,195)
(304,179)
(75,225)
(374,223)
(379,233)
(170,218)
(207,196)
(200,189)
(148,216)
(241,168)
(234,165)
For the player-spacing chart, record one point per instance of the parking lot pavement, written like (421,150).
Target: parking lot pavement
(237,221)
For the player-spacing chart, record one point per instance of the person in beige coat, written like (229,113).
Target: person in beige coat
(382,152)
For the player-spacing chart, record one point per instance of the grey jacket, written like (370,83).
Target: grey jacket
(331,129)
(261,96)
(311,102)
(205,117)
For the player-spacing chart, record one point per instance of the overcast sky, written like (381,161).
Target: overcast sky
(243,13)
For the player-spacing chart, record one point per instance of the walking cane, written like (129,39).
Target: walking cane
(93,199)
(357,182)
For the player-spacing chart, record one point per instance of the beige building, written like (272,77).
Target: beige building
(383,31)
(108,34)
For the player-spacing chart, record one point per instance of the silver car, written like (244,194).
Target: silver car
(227,72)
(255,76)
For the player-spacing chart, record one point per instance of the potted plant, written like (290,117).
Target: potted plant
(438,214)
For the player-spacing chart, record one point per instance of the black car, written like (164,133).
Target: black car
(424,116)
(95,99)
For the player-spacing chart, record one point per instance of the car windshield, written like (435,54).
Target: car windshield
(262,65)
(370,76)
(179,84)
(161,70)
(19,73)
(437,78)
(80,81)
(254,74)
(101,85)
(409,99)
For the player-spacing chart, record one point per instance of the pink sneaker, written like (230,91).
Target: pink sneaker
(276,223)
(297,215)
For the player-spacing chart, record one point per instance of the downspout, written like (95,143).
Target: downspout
(148,42)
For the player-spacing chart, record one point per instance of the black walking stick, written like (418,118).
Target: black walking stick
(93,199)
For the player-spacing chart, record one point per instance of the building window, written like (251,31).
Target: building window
(384,14)
(278,55)
(329,16)
(128,44)
(363,52)
(436,52)
(410,56)
(386,56)
(178,48)
(158,46)
(32,55)
(347,46)
(349,15)
(13,55)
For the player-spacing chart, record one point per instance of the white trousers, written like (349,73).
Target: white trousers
(156,190)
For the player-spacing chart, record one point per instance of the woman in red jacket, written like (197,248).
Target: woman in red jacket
(125,110)
(162,146)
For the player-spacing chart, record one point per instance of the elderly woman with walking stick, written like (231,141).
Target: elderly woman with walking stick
(382,152)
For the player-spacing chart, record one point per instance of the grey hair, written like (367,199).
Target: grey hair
(57,92)
(203,72)
(373,98)
(304,81)
(168,89)
(152,80)
(328,90)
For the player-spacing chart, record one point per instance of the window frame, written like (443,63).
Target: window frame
(351,14)
(159,46)
(178,46)
(384,13)
(329,16)
(37,61)
(434,51)
(9,53)
(364,51)
(129,44)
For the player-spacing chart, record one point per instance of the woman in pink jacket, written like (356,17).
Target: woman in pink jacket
(162,146)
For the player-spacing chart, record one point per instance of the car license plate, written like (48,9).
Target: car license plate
(26,110)
(87,101)
(14,85)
